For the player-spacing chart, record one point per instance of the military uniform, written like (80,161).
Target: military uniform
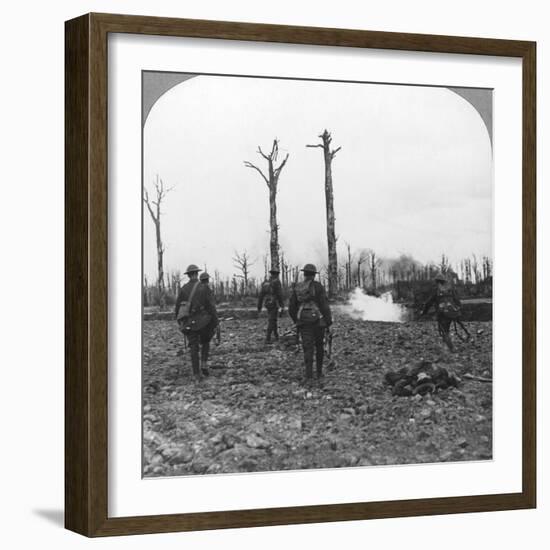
(312,330)
(200,326)
(271,294)
(447,307)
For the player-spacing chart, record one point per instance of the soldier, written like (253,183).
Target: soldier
(271,296)
(447,307)
(197,318)
(309,309)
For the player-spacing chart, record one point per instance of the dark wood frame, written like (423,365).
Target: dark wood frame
(86,274)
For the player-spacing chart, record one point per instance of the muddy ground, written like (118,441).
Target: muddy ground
(253,413)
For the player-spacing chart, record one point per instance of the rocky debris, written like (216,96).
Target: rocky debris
(422,378)
(256,442)
(253,413)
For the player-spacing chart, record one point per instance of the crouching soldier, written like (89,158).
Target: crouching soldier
(271,296)
(447,307)
(197,318)
(309,309)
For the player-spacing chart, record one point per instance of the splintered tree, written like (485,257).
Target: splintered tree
(329,196)
(444,264)
(272,181)
(361,259)
(243,263)
(374,264)
(153,205)
(348,267)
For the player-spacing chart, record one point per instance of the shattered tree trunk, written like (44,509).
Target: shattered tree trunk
(154,210)
(329,198)
(348,268)
(272,181)
(160,266)
(273,227)
(331,231)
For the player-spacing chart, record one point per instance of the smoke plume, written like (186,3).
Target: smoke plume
(370,308)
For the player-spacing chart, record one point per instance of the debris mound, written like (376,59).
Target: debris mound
(422,378)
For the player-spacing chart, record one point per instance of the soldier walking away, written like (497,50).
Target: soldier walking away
(197,318)
(309,309)
(271,296)
(447,307)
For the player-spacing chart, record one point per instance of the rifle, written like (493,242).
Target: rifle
(459,322)
(328,342)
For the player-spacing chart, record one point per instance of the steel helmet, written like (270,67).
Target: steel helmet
(192,268)
(310,268)
(204,276)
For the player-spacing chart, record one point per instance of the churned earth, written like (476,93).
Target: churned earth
(254,413)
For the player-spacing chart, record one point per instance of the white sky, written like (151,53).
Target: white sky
(414,174)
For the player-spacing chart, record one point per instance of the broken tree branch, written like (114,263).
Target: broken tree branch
(250,165)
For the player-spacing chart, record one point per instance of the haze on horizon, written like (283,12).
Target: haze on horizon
(414,174)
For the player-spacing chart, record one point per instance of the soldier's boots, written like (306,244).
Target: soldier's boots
(195,365)
(197,374)
(309,369)
(319,367)
(204,367)
(449,342)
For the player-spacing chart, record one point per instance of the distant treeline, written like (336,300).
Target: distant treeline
(363,268)
(408,279)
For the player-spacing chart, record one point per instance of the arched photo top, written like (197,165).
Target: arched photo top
(156,83)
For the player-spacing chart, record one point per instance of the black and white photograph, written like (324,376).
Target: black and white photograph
(317,274)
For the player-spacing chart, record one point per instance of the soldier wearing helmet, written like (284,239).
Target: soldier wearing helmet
(271,296)
(197,318)
(447,307)
(309,309)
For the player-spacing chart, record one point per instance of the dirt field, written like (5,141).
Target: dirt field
(254,414)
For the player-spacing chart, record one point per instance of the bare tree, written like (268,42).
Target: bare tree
(329,196)
(444,264)
(374,264)
(361,259)
(175,282)
(272,181)
(487,267)
(348,267)
(475,269)
(266,266)
(243,263)
(154,207)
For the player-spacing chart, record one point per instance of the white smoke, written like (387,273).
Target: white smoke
(370,308)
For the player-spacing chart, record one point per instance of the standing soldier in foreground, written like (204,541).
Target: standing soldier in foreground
(309,309)
(447,307)
(197,318)
(271,296)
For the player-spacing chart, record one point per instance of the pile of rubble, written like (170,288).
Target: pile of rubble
(420,379)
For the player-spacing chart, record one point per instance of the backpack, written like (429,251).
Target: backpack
(308,310)
(189,318)
(269,297)
(447,306)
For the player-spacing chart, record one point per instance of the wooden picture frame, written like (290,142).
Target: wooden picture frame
(86,279)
